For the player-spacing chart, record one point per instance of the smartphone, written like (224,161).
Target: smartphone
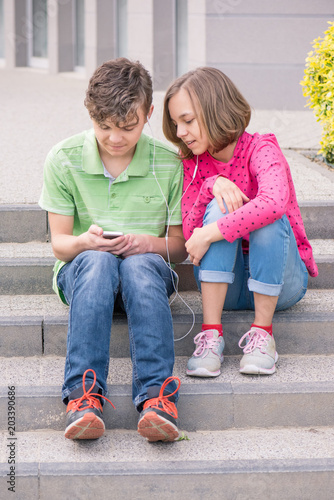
(110,235)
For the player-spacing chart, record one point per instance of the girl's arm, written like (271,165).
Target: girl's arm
(269,168)
(200,241)
(197,196)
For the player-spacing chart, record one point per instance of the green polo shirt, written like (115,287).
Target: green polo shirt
(135,202)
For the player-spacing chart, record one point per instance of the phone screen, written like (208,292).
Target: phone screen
(112,234)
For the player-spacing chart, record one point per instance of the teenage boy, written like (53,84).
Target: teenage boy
(115,178)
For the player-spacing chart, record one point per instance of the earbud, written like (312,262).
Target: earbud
(153,164)
(196,168)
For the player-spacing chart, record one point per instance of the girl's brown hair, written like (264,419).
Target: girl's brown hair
(117,89)
(221,110)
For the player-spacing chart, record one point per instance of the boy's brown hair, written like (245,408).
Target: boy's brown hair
(221,110)
(117,89)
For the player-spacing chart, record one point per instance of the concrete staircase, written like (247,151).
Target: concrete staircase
(245,437)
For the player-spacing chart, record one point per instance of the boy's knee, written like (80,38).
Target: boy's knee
(98,264)
(142,268)
(135,265)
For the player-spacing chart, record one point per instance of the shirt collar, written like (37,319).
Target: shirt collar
(138,167)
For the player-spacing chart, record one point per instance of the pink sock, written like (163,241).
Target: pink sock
(268,329)
(213,327)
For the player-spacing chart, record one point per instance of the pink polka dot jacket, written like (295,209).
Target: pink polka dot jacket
(260,170)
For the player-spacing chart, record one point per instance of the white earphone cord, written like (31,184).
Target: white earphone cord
(169,216)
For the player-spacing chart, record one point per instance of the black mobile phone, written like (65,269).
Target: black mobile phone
(110,235)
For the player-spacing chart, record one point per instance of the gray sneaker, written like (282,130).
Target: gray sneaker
(260,353)
(208,355)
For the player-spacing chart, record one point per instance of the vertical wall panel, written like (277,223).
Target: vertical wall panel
(163,43)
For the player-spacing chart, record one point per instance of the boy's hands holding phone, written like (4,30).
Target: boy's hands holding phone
(111,241)
(120,244)
(66,246)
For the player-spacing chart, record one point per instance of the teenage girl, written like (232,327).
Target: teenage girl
(244,231)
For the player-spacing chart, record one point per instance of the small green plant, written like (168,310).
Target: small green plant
(183,437)
(318,86)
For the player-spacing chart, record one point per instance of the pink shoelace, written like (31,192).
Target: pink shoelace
(204,343)
(254,340)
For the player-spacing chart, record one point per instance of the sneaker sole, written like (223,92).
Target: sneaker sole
(202,372)
(156,428)
(90,426)
(257,370)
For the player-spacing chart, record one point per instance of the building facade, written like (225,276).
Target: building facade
(260,44)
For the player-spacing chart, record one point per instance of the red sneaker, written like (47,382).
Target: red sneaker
(158,420)
(84,415)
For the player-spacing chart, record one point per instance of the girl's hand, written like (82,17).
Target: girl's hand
(197,245)
(225,190)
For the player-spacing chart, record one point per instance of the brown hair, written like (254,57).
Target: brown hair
(117,89)
(221,109)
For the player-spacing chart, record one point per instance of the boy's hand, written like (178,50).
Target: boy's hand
(225,190)
(137,244)
(95,241)
(129,244)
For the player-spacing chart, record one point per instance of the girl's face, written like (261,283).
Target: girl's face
(185,119)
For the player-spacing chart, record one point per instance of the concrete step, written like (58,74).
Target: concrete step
(26,268)
(37,324)
(300,393)
(284,463)
(22,223)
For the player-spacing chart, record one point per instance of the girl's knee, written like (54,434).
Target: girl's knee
(268,235)
(213,212)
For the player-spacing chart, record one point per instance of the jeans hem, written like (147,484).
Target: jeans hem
(264,288)
(139,400)
(67,392)
(215,276)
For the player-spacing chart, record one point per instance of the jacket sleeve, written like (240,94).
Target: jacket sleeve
(268,167)
(196,196)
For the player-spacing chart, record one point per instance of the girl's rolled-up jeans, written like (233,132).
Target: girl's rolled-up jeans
(272,267)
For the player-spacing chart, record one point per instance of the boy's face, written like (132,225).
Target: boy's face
(119,141)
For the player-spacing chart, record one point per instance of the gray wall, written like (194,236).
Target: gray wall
(262,45)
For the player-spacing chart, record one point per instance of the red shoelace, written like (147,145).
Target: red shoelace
(162,401)
(87,396)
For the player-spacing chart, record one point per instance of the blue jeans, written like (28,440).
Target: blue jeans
(272,267)
(91,284)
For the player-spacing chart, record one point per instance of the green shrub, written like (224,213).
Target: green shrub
(318,86)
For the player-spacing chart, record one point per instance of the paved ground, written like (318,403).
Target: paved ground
(37,110)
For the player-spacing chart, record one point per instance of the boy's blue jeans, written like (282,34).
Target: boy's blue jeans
(91,283)
(272,267)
